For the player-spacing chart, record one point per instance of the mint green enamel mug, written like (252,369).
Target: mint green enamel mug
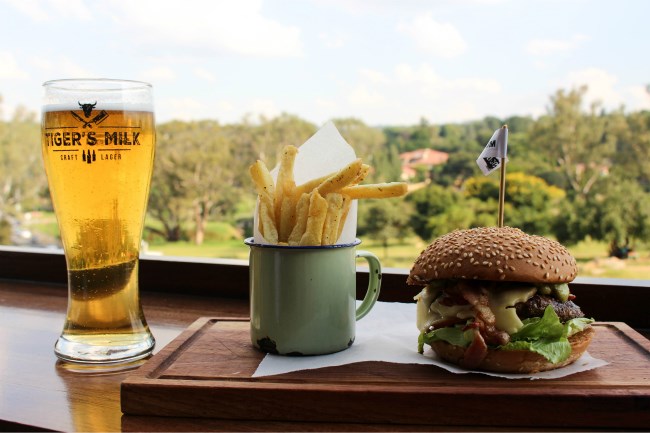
(303,299)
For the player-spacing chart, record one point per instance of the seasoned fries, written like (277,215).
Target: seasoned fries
(340,179)
(315,220)
(266,223)
(313,213)
(302,213)
(379,190)
(285,183)
(262,179)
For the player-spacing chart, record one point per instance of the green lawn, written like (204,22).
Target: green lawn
(592,256)
(233,249)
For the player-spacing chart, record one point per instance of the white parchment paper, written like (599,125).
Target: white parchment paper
(388,333)
(325,152)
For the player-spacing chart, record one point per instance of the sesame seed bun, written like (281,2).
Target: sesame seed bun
(494,254)
(515,361)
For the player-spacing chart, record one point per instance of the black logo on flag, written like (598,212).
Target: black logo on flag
(491,163)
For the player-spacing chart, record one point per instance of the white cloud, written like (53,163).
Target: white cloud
(637,98)
(408,92)
(60,67)
(373,76)
(326,104)
(547,47)
(265,107)
(362,96)
(205,27)
(70,9)
(205,75)
(434,37)
(332,40)
(9,68)
(158,74)
(601,85)
(604,87)
(185,108)
(32,8)
(189,108)
(48,10)
(429,82)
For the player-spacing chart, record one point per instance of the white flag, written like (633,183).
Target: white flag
(495,151)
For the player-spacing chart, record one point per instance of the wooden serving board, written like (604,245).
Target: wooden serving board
(206,372)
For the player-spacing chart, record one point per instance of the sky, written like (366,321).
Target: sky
(384,62)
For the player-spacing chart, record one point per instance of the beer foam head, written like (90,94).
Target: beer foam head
(105,94)
(108,106)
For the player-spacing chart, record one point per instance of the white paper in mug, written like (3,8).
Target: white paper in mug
(323,153)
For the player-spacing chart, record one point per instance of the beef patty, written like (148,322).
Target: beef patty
(536,305)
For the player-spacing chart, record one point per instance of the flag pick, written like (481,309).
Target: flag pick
(494,156)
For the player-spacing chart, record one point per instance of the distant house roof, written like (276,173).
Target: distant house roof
(421,158)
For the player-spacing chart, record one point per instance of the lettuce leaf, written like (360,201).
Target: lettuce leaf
(453,335)
(547,336)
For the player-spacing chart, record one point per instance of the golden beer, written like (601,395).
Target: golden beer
(98,161)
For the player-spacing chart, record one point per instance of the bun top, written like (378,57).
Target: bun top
(494,254)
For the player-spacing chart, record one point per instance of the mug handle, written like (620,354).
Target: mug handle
(374,283)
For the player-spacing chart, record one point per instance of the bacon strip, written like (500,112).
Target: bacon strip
(444,323)
(475,353)
(477,296)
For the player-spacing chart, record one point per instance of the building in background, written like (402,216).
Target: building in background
(419,161)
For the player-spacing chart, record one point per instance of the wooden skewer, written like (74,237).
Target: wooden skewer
(502,186)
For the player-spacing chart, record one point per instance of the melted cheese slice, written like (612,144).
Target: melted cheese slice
(430,310)
(424,316)
(506,318)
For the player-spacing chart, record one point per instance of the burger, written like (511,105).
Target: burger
(497,299)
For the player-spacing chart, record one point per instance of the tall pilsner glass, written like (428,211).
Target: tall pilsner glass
(98,143)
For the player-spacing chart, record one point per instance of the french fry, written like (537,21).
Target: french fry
(365,169)
(287,213)
(262,179)
(314,183)
(345,209)
(315,220)
(332,219)
(311,184)
(302,212)
(284,184)
(378,190)
(266,223)
(340,179)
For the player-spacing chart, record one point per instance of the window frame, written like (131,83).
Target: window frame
(606,299)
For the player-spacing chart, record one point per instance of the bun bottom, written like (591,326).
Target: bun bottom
(516,361)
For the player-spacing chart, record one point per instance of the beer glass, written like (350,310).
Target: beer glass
(98,142)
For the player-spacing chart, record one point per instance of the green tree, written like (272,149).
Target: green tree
(459,167)
(22,177)
(582,145)
(530,203)
(384,220)
(194,177)
(617,212)
(623,212)
(265,138)
(633,150)
(438,210)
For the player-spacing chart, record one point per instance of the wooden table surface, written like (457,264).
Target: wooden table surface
(39,393)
